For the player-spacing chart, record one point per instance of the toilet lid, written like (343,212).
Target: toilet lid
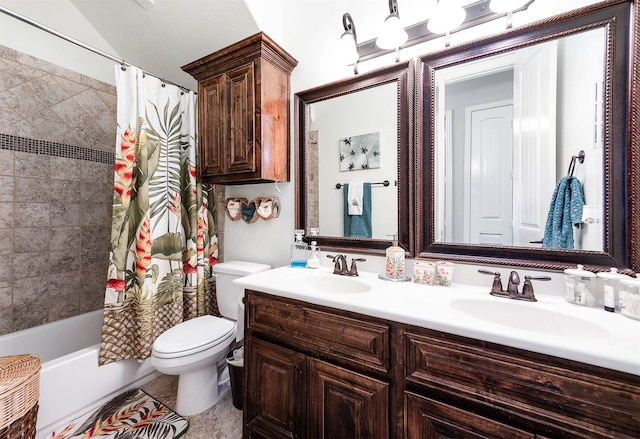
(193,336)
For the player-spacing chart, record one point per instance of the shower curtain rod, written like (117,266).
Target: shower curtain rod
(80,43)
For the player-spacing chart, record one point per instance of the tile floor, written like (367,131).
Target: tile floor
(222,421)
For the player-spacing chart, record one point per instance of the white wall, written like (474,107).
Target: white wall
(63,17)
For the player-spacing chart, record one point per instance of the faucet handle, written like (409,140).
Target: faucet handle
(537,278)
(527,288)
(354,269)
(496,287)
(336,263)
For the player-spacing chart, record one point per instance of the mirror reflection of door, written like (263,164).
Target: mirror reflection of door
(481,158)
(488,213)
(534,166)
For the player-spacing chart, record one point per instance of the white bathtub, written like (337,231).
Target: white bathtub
(71,383)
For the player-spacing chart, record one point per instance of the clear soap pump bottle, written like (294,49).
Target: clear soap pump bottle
(299,250)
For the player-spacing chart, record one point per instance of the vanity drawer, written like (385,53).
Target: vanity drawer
(427,418)
(551,395)
(359,342)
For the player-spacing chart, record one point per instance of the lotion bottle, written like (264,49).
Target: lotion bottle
(314,259)
(395,261)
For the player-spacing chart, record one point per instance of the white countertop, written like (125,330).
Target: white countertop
(549,326)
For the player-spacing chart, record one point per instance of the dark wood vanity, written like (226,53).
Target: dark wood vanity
(324,372)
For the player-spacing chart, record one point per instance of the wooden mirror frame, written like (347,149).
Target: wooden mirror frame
(402,75)
(621,146)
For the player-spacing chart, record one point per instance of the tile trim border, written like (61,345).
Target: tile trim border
(44,147)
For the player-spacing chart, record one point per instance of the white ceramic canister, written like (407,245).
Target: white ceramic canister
(610,287)
(630,297)
(580,286)
(444,272)
(424,273)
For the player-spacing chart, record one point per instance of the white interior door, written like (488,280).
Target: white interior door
(534,161)
(488,186)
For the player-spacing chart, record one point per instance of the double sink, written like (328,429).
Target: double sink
(550,325)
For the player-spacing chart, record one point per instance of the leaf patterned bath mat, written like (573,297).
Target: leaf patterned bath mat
(133,414)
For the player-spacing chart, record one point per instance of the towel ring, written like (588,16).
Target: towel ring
(572,165)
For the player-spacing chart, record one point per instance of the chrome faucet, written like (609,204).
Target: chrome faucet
(512,286)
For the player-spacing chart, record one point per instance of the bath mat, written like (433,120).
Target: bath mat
(133,414)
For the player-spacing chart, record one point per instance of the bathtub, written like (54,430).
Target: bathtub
(71,383)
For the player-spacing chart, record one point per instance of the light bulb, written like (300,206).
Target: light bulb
(446,17)
(347,48)
(393,34)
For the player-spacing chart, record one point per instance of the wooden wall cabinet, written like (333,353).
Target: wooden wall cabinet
(243,112)
(318,372)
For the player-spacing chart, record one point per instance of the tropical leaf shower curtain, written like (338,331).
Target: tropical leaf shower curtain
(163,234)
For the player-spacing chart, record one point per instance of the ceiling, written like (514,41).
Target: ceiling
(160,36)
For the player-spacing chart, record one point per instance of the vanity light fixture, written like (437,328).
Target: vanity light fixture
(393,34)
(447,16)
(506,7)
(502,6)
(475,13)
(349,42)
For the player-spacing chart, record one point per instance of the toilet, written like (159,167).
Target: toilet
(196,349)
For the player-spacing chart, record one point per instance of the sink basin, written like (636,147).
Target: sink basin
(526,316)
(328,283)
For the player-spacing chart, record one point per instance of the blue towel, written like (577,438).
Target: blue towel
(565,211)
(358,226)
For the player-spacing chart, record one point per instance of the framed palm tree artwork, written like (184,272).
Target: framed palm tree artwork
(360,152)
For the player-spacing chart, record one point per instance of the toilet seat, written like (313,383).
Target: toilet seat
(193,336)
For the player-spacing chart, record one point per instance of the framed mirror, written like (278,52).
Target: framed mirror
(516,129)
(354,148)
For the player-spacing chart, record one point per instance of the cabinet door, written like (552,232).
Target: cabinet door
(212,125)
(275,406)
(241,153)
(344,404)
(429,419)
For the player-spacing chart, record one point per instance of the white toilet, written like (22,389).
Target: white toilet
(196,349)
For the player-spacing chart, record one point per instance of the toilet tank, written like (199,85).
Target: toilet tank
(227,293)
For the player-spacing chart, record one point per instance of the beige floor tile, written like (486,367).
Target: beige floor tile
(222,421)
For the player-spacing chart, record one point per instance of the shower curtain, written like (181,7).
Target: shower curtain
(163,233)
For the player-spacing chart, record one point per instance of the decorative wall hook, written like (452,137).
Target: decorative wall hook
(249,211)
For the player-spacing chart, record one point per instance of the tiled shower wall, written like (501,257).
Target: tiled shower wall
(57,142)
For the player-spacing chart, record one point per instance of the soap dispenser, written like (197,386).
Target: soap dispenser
(314,258)
(395,260)
(299,250)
